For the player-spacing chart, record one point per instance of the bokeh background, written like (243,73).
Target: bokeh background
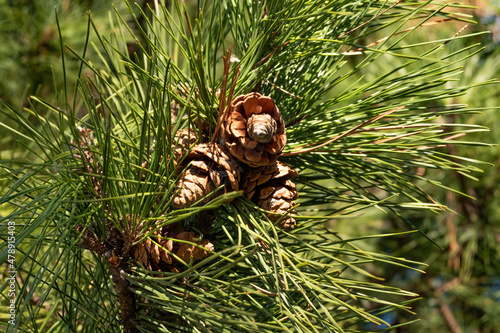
(461,288)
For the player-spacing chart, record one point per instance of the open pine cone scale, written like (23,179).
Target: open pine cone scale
(208,167)
(254,131)
(271,189)
(280,200)
(157,253)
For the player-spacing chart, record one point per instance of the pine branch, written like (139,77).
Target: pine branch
(126,299)
(153,165)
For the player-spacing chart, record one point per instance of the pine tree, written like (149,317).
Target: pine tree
(193,183)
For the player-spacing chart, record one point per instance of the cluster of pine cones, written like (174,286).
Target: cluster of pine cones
(244,158)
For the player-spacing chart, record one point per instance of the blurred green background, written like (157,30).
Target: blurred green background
(461,289)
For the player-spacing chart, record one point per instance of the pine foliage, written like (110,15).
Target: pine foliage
(354,145)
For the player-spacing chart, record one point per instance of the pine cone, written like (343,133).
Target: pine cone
(184,139)
(271,189)
(84,151)
(86,140)
(261,175)
(149,254)
(279,199)
(211,166)
(188,251)
(254,131)
(157,255)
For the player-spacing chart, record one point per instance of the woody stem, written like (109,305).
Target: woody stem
(126,299)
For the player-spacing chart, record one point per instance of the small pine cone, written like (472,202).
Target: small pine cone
(184,139)
(271,189)
(156,255)
(211,166)
(254,131)
(86,140)
(279,199)
(187,251)
(261,175)
(150,253)
(84,151)
(141,254)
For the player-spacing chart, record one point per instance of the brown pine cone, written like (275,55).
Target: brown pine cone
(187,251)
(149,254)
(261,175)
(184,139)
(157,255)
(279,199)
(86,141)
(211,166)
(271,189)
(254,131)
(85,151)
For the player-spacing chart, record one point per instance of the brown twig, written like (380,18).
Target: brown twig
(455,35)
(370,20)
(231,92)
(429,197)
(126,298)
(117,266)
(264,291)
(295,121)
(448,315)
(223,102)
(271,54)
(282,90)
(349,132)
(396,137)
(222,93)
(398,33)
(454,247)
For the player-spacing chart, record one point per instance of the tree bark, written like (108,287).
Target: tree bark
(126,298)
